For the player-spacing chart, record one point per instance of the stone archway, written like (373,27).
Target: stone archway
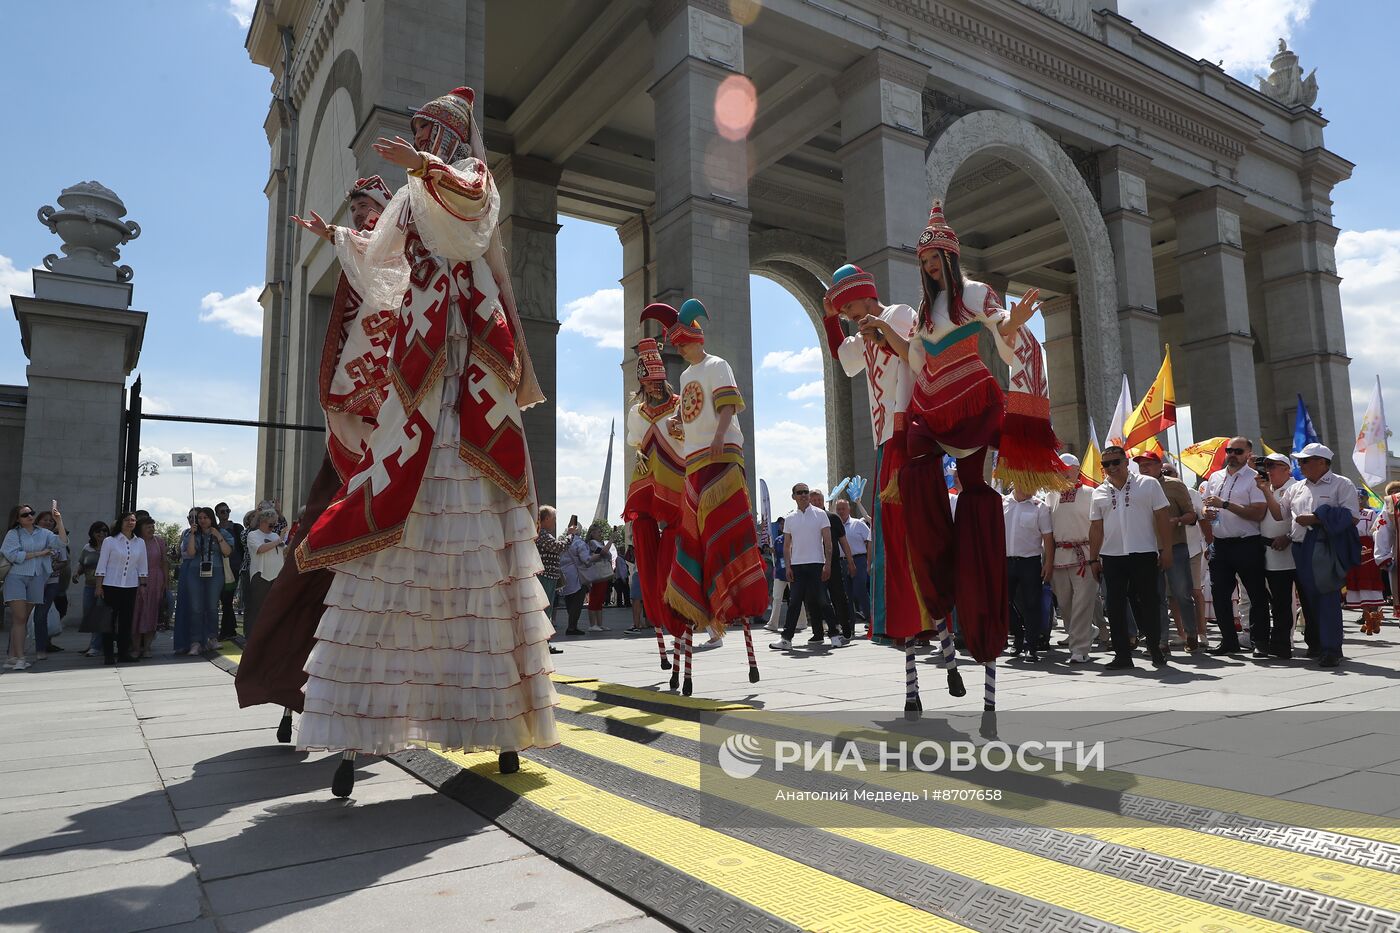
(802,265)
(1026,146)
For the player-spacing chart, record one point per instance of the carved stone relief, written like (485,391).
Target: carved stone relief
(717,39)
(901,106)
(1228,224)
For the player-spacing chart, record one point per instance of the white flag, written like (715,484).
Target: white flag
(182,460)
(1120,415)
(1372,441)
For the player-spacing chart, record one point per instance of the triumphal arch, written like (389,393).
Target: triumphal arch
(1155,198)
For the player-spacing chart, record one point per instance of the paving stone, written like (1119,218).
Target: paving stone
(1254,774)
(129,816)
(108,899)
(21,763)
(78,858)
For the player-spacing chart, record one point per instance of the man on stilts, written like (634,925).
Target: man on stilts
(718,574)
(656,492)
(957,407)
(354,381)
(895,613)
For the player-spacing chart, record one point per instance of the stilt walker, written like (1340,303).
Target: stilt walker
(895,613)
(718,575)
(957,407)
(436,626)
(353,382)
(656,490)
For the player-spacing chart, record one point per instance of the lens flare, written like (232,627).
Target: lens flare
(736,106)
(745,11)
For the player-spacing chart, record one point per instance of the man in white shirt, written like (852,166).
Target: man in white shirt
(1129,545)
(1325,492)
(842,566)
(1234,505)
(1275,481)
(807,553)
(1076,589)
(858,537)
(1030,548)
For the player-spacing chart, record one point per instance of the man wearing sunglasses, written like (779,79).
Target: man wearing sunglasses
(1235,505)
(1130,545)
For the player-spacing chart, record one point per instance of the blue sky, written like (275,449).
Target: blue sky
(158,101)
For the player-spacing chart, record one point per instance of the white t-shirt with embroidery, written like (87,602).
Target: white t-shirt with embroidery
(1128,515)
(705,387)
(889,378)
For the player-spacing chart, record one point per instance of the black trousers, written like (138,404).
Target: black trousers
(807,589)
(228,625)
(1243,558)
(573,605)
(836,593)
(1281,585)
(1131,578)
(1025,588)
(122,599)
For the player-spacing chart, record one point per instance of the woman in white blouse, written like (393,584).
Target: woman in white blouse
(121,568)
(264,562)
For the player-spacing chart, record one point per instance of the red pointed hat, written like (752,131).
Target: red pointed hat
(937,235)
(850,283)
(373,188)
(650,366)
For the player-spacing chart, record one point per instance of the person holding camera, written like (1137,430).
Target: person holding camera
(203,547)
(573,557)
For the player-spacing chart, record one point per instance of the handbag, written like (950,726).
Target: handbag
(598,570)
(98,619)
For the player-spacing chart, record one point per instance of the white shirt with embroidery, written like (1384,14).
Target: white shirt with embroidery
(888,377)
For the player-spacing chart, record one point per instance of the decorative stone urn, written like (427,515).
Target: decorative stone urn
(91,228)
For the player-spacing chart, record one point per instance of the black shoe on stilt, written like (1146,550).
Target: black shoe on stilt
(988,729)
(955,684)
(508,762)
(676,678)
(753,673)
(686,687)
(666,666)
(284,729)
(913,706)
(343,784)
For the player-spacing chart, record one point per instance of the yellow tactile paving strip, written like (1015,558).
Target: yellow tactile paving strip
(1306,872)
(1286,812)
(789,890)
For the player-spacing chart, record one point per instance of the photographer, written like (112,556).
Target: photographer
(572,559)
(203,547)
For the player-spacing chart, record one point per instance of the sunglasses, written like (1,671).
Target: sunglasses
(1237,451)
(1113,463)
(802,492)
(26,514)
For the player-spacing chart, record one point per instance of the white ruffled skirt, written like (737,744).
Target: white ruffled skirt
(441,639)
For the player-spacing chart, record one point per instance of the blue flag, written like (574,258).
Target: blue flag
(1303,435)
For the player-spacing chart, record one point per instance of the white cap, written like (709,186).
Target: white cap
(1069,460)
(1315,450)
(1279,458)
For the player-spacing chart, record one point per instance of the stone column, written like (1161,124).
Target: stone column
(1217,354)
(702,217)
(1307,350)
(529,223)
(884,189)
(82,342)
(1064,357)
(1123,183)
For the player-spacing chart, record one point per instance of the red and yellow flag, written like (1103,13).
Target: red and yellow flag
(1090,469)
(1157,410)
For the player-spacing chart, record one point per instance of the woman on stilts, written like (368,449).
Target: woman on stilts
(436,626)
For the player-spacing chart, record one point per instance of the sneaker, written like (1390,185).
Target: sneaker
(194,652)
(714,642)
(41,656)
(1079,659)
(773,627)
(20,664)
(91,653)
(816,641)
(1259,652)
(1176,641)
(782,644)
(839,641)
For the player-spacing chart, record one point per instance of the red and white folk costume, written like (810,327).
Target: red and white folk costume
(957,407)
(353,383)
(435,627)
(656,491)
(1364,586)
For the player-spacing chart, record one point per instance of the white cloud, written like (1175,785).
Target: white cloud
(1240,33)
(242,10)
(13,281)
(223,472)
(239,313)
(580,456)
(789,453)
(598,317)
(789,361)
(807,390)
(1369,263)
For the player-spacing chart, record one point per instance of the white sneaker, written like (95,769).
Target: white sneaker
(714,642)
(19,664)
(839,641)
(782,644)
(1078,659)
(196,650)
(91,653)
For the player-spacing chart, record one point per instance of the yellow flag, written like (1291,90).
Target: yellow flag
(1090,469)
(1157,410)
